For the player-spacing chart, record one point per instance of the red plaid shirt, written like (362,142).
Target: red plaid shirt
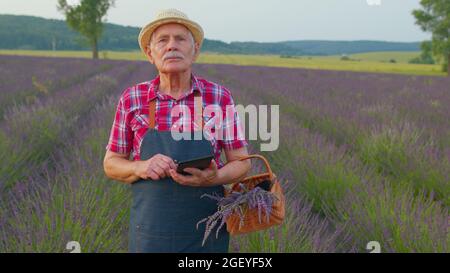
(131,118)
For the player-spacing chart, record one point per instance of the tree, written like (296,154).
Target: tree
(87,18)
(434,17)
(426,57)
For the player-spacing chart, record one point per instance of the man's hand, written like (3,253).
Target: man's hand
(198,178)
(155,168)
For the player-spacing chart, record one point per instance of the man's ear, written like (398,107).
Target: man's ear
(196,51)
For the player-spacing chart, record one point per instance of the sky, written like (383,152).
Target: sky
(264,20)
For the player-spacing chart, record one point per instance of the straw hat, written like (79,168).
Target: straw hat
(165,17)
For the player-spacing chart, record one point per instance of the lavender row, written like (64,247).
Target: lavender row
(30,135)
(23,80)
(72,201)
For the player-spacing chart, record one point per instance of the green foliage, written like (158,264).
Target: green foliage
(434,17)
(426,57)
(397,218)
(445,66)
(390,152)
(28,32)
(87,19)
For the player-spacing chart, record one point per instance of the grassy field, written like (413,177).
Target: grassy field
(398,56)
(367,62)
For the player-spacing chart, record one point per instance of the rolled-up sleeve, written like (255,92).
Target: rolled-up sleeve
(234,137)
(121,135)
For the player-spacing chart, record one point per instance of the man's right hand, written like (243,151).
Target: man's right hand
(155,168)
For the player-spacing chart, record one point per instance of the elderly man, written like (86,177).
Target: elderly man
(166,204)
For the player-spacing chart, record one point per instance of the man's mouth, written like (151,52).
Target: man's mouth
(173,58)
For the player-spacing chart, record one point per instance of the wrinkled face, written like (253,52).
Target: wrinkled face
(172,48)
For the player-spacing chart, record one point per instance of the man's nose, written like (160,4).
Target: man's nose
(172,44)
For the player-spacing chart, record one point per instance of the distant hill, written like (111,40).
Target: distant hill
(29,32)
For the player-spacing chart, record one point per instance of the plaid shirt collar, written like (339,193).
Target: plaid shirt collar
(153,90)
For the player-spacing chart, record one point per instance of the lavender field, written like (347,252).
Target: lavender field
(362,156)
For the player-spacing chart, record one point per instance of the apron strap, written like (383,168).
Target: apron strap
(151,113)
(198,115)
(198,110)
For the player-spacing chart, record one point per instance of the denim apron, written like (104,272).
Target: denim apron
(164,214)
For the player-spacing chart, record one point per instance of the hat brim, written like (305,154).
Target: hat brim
(146,32)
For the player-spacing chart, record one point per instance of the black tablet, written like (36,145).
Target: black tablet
(199,163)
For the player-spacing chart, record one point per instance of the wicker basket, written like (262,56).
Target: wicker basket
(251,220)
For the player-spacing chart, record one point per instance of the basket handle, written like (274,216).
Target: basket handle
(266,163)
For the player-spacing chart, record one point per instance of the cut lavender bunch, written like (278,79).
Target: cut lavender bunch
(238,202)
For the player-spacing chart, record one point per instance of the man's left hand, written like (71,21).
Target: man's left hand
(198,178)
